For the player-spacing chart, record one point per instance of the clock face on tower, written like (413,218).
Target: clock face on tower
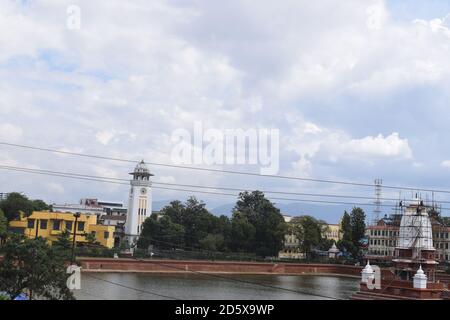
(143,191)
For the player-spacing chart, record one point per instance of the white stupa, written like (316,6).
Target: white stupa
(420,279)
(367,272)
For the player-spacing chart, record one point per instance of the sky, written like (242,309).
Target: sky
(358,90)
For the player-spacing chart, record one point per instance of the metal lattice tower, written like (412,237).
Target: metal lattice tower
(377,207)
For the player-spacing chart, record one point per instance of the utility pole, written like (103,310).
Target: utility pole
(76,215)
(37,228)
(377,202)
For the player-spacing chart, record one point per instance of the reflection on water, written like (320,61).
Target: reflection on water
(205,287)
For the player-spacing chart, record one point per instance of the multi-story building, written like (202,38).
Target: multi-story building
(49,225)
(90,206)
(333,232)
(291,246)
(86,206)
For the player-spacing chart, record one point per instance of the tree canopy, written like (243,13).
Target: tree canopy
(17,202)
(257,225)
(310,233)
(189,225)
(353,227)
(34,267)
(3,227)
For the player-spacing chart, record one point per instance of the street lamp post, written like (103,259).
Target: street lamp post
(76,215)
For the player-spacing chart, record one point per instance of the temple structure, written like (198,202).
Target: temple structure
(414,265)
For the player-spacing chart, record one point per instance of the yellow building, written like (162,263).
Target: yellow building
(291,248)
(333,232)
(50,224)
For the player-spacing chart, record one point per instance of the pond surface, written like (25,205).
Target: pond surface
(145,286)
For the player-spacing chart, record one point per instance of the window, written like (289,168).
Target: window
(43,224)
(81,226)
(56,224)
(106,235)
(30,223)
(69,225)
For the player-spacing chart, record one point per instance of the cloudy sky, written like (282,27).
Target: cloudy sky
(358,89)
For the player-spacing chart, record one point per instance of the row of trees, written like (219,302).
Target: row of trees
(256,226)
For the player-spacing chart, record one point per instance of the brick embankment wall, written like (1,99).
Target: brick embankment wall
(183,266)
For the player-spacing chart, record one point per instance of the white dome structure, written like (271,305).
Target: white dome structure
(367,272)
(420,279)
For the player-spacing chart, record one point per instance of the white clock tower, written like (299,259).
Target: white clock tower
(139,202)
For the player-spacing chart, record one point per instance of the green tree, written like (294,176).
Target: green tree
(192,220)
(92,239)
(63,244)
(162,233)
(14,204)
(213,242)
(346,243)
(358,224)
(39,205)
(3,227)
(354,227)
(34,267)
(242,234)
(252,208)
(309,233)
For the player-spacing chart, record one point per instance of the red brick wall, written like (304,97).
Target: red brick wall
(213,266)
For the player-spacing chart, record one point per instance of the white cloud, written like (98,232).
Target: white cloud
(167,179)
(391,146)
(104,137)
(57,188)
(313,143)
(10,132)
(120,89)
(445,164)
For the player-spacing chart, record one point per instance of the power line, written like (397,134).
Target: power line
(201,191)
(219,170)
(201,187)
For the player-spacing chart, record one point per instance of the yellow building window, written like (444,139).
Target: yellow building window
(43,224)
(56,224)
(80,226)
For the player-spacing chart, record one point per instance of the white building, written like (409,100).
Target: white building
(3,196)
(85,206)
(140,202)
